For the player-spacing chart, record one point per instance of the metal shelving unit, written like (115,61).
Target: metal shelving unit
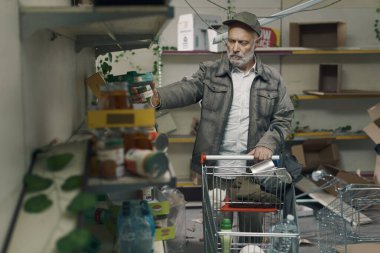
(126,184)
(107,29)
(110,28)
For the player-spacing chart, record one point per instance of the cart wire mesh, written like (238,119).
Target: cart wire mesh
(254,197)
(352,218)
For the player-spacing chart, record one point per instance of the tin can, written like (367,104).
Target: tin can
(146,163)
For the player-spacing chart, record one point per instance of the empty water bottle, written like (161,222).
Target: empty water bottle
(282,244)
(134,231)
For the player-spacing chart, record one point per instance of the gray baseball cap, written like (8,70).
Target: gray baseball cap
(246,18)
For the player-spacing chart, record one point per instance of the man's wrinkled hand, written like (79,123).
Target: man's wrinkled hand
(145,94)
(261,153)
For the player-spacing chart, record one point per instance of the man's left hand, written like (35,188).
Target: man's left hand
(261,153)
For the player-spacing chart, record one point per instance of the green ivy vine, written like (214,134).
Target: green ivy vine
(377,25)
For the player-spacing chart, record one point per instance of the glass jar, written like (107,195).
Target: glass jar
(110,156)
(115,96)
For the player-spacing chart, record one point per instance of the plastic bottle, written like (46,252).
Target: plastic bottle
(134,231)
(101,216)
(226,239)
(176,218)
(283,244)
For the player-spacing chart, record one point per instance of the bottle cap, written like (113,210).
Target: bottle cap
(226,224)
(290,217)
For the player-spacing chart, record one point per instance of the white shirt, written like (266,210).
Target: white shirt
(236,132)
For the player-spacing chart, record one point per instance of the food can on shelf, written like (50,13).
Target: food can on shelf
(146,162)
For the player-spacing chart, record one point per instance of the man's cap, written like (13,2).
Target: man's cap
(246,18)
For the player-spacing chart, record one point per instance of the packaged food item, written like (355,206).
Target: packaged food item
(146,162)
(110,156)
(115,96)
(226,226)
(140,83)
(160,141)
(136,138)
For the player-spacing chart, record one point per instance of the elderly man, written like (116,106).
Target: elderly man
(242,99)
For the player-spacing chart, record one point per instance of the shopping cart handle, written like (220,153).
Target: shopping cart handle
(205,157)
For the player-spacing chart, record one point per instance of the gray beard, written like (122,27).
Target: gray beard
(241,61)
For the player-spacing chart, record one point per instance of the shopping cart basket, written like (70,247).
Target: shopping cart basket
(257,191)
(352,218)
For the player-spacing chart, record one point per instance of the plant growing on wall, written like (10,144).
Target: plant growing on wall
(377,25)
(105,62)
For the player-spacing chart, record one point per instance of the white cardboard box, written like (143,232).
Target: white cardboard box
(192,31)
(373,131)
(376,174)
(374,112)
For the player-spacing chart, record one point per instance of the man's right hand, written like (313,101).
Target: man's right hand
(155,99)
(145,96)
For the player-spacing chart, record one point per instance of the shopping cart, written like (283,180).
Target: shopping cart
(246,191)
(352,218)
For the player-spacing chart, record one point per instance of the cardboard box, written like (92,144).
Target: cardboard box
(318,35)
(192,31)
(159,211)
(330,77)
(312,153)
(216,48)
(368,247)
(374,113)
(344,177)
(373,132)
(376,174)
(94,82)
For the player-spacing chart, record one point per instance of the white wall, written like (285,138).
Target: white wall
(12,151)
(42,98)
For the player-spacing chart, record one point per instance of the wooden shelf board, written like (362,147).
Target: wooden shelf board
(328,135)
(181,140)
(314,94)
(287,51)
(334,96)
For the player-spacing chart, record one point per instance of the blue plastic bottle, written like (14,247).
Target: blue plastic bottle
(134,231)
(149,218)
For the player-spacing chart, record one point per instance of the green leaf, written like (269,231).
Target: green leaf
(72,183)
(81,202)
(78,240)
(58,162)
(35,183)
(110,56)
(37,204)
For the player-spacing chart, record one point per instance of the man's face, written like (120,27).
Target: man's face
(241,46)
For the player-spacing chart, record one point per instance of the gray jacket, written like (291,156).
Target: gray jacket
(269,105)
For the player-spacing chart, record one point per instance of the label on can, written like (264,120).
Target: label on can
(134,161)
(116,155)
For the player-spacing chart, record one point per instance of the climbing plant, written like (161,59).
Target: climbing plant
(377,24)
